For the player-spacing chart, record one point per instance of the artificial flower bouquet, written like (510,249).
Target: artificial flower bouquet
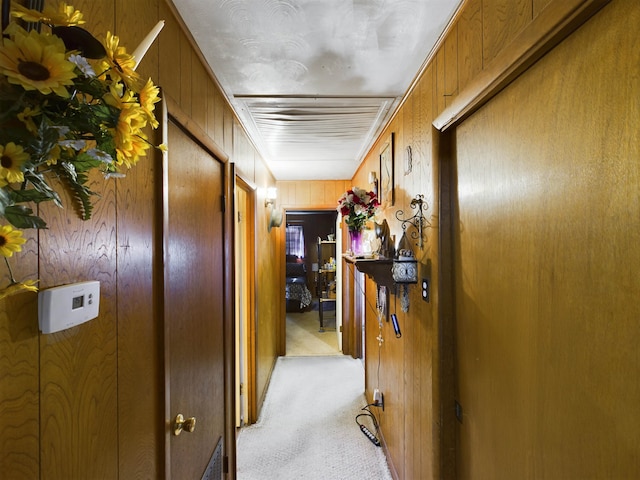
(357,207)
(68,104)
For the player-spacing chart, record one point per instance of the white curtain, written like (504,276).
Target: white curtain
(295,240)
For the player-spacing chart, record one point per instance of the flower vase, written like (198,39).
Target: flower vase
(356,242)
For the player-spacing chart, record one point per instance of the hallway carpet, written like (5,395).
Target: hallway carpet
(307,427)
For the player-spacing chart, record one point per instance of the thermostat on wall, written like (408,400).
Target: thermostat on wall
(66,306)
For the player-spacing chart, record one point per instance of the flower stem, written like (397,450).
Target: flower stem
(13,280)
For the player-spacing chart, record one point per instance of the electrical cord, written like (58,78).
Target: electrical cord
(379,309)
(367,433)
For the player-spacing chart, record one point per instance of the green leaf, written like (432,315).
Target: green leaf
(40,184)
(84,163)
(4,200)
(30,195)
(76,183)
(22,217)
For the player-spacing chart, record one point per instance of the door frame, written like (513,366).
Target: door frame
(282,336)
(251,274)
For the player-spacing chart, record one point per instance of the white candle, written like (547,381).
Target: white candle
(139,52)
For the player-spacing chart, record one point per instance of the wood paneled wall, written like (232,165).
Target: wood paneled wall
(546,249)
(88,402)
(315,194)
(417,372)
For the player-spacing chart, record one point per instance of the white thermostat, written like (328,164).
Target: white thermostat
(66,306)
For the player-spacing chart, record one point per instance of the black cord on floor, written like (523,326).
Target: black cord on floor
(367,433)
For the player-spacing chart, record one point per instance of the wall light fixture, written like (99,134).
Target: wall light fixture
(270,197)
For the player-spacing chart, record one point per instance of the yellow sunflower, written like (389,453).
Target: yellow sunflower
(118,63)
(149,95)
(64,15)
(17,287)
(12,157)
(37,62)
(10,240)
(130,147)
(26,117)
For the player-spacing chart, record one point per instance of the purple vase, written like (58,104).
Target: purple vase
(355,242)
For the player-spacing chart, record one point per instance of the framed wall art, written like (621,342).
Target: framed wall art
(386,191)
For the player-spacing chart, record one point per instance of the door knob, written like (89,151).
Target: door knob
(181,424)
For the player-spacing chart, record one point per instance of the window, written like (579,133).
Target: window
(295,240)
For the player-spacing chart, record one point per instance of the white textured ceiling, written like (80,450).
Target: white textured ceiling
(314,81)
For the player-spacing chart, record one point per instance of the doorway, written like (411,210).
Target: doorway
(312,287)
(244,218)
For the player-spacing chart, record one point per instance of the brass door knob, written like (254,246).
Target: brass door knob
(181,424)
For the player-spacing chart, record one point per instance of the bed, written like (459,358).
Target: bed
(296,291)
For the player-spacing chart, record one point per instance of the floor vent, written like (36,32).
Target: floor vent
(214,469)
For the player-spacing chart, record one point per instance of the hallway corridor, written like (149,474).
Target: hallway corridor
(307,428)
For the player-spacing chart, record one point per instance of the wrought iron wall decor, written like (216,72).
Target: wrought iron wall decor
(418,220)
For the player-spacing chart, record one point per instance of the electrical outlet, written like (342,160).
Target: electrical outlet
(378,398)
(425,289)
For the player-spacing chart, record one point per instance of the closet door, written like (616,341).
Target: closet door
(194,305)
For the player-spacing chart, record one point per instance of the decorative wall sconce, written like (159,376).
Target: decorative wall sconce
(276,215)
(275,218)
(418,220)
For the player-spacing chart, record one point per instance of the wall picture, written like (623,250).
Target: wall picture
(386,193)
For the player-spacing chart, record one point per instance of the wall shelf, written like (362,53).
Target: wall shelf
(379,269)
(389,273)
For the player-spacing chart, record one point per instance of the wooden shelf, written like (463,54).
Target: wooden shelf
(379,269)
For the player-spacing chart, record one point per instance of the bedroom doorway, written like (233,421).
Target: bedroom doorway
(312,290)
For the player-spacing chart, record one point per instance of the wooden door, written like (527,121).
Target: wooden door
(194,304)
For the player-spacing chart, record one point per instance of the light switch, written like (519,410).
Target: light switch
(66,306)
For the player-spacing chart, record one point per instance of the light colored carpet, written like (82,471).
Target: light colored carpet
(303,337)
(307,427)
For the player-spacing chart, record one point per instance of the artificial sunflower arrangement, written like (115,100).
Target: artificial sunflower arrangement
(69,104)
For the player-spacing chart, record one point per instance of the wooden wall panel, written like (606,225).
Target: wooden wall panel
(78,369)
(244,154)
(139,339)
(502,20)
(450,48)
(185,74)
(470,43)
(169,43)
(439,91)
(547,372)
(539,5)
(313,194)
(199,91)
(19,369)
(219,107)
(88,402)
(480,33)
(228,128)
(269,311)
